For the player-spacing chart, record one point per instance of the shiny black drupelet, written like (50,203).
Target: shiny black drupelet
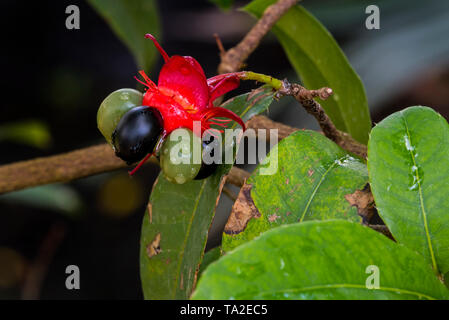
(137,133)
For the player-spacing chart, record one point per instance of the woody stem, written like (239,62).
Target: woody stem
(306,98)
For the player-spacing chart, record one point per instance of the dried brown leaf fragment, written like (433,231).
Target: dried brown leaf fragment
(243,211)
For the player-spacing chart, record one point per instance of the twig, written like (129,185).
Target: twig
(259,122)
(219,45)
(59,168)
(98,159)
(305,97)
(234,58)
(70,166)
(237,176)
(231,195)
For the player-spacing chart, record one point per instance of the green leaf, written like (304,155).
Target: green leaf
(320,260)
(29,132)
(408,162)
(174,232)
(58,197)
(319,62)
(223,4)
(250,104)
(313,177)
(131,20)
(174,235)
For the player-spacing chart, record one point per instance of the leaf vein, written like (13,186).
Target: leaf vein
(316,189)
(421,199)
(197,200)
(339,286)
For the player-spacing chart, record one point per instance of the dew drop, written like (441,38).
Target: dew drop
(344,161)
(180,178)
(416,177)
(408,144)
(238,271)
(413,187)
(282,264)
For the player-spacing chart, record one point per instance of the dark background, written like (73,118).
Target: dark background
(59,77)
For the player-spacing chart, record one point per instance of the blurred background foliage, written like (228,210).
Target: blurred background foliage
(54,80)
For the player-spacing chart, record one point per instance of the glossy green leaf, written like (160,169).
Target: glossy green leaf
(250,104)
(131,20)
(29,132)
(319,62)
(174,234)
(333,259)
(180,216)
(313,177)
(408,162)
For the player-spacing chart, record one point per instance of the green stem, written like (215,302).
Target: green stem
(249,75)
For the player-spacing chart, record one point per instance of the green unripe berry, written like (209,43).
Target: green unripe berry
(114,107)
(180,156)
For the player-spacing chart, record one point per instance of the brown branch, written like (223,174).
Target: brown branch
(305,97)
(73,165)
(233,60)
(59,168)
(98,159)
(262,122)
(219,45)
(231,194)
(237,176)
(343,139)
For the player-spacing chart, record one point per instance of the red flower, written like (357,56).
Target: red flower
(183,94)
